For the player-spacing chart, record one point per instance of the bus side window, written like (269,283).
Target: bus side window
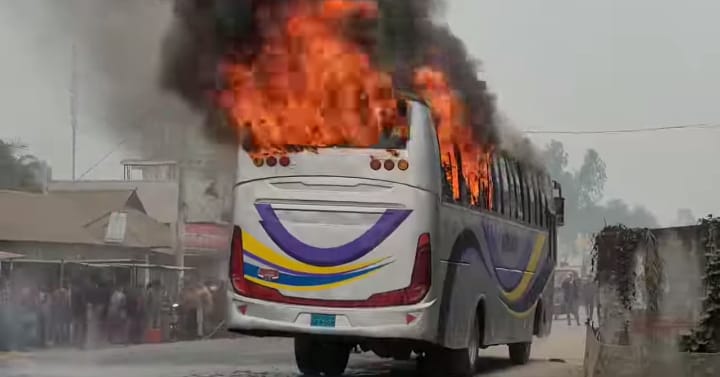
(507,203)
(549,199)
(531,194)
(538,200)
(464,198)
(525,200)
(519,201)
(513,188)
(497,185)
(543,202)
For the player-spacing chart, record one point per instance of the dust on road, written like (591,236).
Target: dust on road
(252,357)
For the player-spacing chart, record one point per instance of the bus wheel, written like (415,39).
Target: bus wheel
(454,362)
(519,353)
(316,357)
(305,357)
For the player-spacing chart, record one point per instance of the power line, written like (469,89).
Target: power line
(625,131)
(101,160)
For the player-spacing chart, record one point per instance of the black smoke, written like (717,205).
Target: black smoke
(403,38)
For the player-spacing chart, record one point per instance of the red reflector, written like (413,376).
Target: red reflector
(408,318)
(375,164)
(243,309)
(284,161)
(271,161)
(389,164)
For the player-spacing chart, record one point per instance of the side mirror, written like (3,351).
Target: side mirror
(560,211)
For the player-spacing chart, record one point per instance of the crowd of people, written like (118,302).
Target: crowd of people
(576,293)
(93,312)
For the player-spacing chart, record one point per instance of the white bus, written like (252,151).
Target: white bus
(371,248)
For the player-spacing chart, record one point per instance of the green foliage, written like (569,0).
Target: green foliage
(705,337)
(18,171)
(583,190)
(614,255)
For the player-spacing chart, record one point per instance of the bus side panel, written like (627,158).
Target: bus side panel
(497,264)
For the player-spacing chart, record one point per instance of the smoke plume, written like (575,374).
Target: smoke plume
(117,60)
(402,38)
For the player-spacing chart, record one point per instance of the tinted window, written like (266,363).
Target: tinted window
(519,204)
(542,202)
(497,185)
(507,203)
(531,196)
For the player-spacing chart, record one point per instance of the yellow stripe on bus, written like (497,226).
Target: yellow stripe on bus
(255,247)
(517,293)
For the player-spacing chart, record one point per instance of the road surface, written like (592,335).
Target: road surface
(252,357)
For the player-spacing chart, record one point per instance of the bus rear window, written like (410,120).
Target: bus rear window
(393,133)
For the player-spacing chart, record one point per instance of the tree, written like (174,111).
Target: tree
(583,190)
(19,171)
(591,179)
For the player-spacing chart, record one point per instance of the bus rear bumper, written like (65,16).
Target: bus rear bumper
(263,318)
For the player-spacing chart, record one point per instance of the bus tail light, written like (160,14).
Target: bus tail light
(375,164)
(237,264)
(403,165)
(389,164)
(422,272)
(271,161)
(284,161)
(258,162)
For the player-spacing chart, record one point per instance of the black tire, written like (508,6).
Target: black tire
(305,356)
(520,353)
(315,357)
(453,362)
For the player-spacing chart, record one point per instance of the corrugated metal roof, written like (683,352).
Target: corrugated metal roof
(160,199)
(77,217)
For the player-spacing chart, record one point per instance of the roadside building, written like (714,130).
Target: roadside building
(56,231)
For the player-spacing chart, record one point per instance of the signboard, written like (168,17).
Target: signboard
(205,236)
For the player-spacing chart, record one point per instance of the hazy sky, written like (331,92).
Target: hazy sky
(554,64)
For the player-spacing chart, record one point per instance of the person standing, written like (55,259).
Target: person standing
(79,308)
(117,316)
(571,296)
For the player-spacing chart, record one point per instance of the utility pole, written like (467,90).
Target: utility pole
(73,108)
(181,210)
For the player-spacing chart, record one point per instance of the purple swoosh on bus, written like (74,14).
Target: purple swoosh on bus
(331,256)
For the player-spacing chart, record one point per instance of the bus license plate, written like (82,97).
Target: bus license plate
(322,320)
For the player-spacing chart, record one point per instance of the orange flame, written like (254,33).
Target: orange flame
(453,132)
(309,86)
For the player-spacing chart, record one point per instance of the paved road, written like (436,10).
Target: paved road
(250,357)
